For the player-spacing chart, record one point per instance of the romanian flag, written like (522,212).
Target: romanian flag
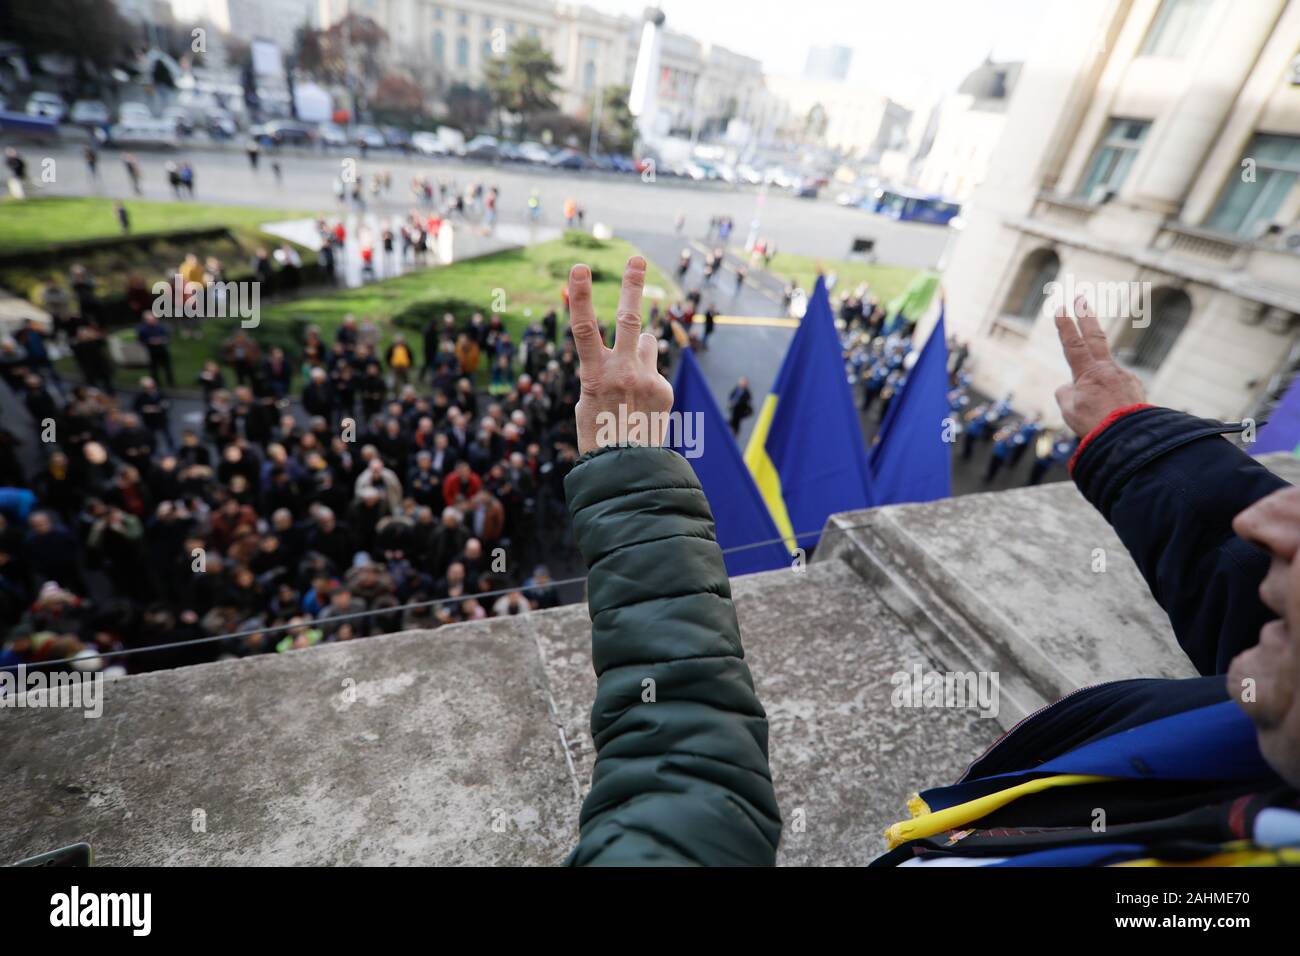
(806,452)
(748,538)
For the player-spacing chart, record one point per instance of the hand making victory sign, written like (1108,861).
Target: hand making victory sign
(626,375)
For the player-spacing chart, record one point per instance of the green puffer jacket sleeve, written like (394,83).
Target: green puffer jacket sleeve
(681,774)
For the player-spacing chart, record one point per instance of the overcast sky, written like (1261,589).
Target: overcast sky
(908,49)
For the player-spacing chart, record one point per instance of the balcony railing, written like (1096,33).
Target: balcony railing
(1063,210)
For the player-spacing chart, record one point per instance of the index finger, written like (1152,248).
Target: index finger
(1093,334)
(628,325)
(582,317)
(1077,354)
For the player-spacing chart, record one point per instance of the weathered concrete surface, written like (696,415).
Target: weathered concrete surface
(1030,583)
(446,756)
(1287,466)
(1013,582)
(822,649)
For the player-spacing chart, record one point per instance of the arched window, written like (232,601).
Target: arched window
(439,47)
(1169,312)
(1029,291)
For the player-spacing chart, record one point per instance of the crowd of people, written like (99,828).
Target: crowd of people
(879,353)
(368,505)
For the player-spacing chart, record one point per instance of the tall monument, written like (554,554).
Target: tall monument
(643,101)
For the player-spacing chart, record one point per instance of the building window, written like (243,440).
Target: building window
(462,18)
(487,23)
(510,28)
(1170,310)
(439,47)
(1174,27)
(1114,158)
(1029,291)
(532,32)
(437,14)
(588,75)
(462,52)
(1259,186)
(487,50)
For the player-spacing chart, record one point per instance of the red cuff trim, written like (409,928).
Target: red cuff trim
(1105,423)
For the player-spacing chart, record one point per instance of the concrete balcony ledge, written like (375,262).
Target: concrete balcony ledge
(470,744)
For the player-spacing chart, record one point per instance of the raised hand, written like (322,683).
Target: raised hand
(1100,385)
(624,399)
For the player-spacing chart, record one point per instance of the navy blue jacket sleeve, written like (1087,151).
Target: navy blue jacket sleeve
(1170,485)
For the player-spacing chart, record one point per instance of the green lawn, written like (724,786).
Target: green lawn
(524,283)
(885,281)
(48,220)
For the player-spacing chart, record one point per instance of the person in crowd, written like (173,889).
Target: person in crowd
(156,339)
(740,405)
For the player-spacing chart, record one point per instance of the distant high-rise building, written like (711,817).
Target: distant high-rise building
(828,63)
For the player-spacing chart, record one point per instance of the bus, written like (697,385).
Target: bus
(907,206)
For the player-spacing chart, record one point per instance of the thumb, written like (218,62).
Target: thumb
(1065,397)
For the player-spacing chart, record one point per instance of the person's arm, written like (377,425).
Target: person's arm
(681,774)
(1170,485)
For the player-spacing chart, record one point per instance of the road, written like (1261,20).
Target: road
(624,202)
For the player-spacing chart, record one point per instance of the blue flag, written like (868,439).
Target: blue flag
(739,513)
(806,452)
(912,461)
(1282,433)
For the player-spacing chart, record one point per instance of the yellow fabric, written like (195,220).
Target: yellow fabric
(764,472)
(929,824)
(1237,853)
(401,357)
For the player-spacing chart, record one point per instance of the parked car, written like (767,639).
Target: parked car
(428,143)
(510,153)
(396,137)
(220,124)
(157,133)
(571,159)
(700,170)
(49,105)
(282,133)
(483,147)
(90,113)
(623,164)
(332,134)
(131,111)
(368,137)
(532,152)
